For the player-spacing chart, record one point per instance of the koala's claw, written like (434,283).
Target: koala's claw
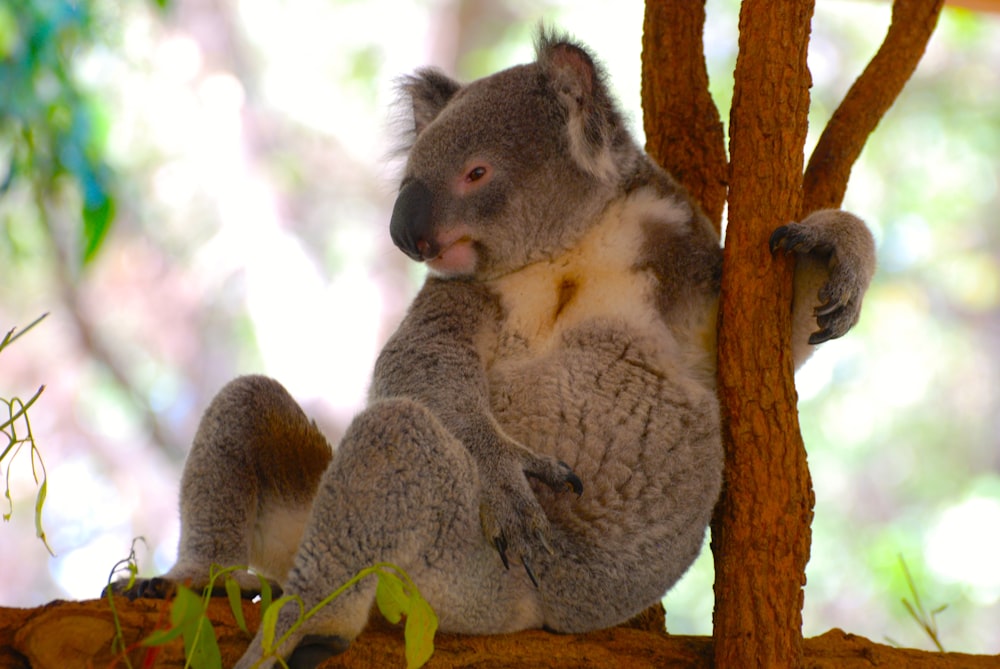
(531,574)
(572,480)
(777,239)
(544,541)
(501,545)
(784,239)
(831,307)
(560,478)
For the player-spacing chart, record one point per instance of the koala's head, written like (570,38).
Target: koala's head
(512,168)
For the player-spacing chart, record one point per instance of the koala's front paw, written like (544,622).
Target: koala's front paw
(842,246)
(512,519)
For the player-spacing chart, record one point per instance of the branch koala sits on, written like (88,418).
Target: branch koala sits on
(541,445)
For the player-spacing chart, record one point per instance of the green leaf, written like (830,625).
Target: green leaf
(9,32)
(269,622)
(184,614)
(236,602)
(391,598)
(39,503)
(421,624)
(265,593)
(200,647)
(97,217)
(162,637)
(186,607)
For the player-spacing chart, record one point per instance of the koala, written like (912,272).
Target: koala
(541,446)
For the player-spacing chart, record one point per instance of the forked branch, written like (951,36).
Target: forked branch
(867,101)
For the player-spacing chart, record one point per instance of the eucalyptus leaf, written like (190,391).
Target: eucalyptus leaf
(236,602)
(421,625)
(391,598)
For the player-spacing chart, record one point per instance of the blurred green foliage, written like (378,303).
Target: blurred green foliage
(53,130)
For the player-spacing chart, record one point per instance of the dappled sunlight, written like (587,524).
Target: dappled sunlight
(963,546)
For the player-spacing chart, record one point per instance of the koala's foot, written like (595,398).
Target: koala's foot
(164,587)
(315,648)
(512,519)
(843,245)
(143,588)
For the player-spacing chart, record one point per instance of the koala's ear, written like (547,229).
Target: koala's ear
(429,90)
(578,83)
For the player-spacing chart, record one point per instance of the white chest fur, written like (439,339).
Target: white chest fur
(600,279)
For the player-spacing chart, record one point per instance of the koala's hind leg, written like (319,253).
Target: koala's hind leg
(247,486)
(400,489)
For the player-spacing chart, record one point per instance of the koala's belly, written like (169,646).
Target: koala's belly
(606,404)
(641,434)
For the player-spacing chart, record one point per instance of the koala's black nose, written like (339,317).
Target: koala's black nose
(410,225)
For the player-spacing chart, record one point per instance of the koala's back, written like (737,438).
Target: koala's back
(590,367)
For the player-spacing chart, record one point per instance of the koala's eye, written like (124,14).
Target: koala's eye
(475,174)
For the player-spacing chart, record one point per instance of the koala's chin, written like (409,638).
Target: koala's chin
(456,259)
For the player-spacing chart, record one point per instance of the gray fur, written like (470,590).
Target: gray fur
(548,403)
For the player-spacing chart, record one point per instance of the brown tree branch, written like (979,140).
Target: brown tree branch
(683,131)
(761,530)
(79,634)
(870,97)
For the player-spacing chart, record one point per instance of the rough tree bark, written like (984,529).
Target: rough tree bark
(761,532)
(684,133)
(762,524)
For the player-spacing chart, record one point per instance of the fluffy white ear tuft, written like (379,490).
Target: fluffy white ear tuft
(429,91)
(577,82)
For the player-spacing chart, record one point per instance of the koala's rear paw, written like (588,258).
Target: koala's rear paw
(165,587)
(143,588)
(842,244)
(512,519)
(315,648)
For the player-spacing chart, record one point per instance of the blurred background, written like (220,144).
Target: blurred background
(194,190)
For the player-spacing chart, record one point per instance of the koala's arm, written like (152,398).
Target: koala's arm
(435,358)
(835,261)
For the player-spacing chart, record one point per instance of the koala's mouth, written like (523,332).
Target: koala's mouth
(455,257)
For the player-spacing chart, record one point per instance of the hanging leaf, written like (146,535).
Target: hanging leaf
(421,625)
(236,602)
(43,490)
(391,598)
(265,593)
(200,647)
(269,621)
(184,613)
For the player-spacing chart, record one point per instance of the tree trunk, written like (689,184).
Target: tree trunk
(761,531)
